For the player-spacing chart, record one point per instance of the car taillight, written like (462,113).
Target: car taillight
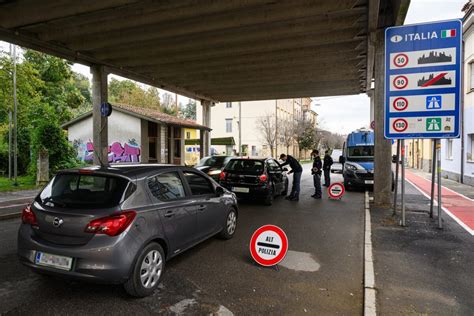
(111,225)
(222,175)
(28,217)
(263,178)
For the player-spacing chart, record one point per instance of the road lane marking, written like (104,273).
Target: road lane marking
(370,299)
(14,205)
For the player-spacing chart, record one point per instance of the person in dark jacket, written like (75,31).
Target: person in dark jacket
(327,163)
(316,172)
(297,170)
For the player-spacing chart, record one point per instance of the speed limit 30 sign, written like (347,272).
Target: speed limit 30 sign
(268,245)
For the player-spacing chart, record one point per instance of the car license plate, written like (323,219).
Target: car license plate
(240,190)
(55,261)
(369,181)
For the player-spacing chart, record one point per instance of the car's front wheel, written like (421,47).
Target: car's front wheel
(230,226)
(147,272)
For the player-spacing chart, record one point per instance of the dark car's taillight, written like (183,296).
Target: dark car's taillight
(263,178)
(222,175)
(28,217)
(111,225)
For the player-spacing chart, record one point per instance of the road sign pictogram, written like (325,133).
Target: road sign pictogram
(400,104)
(434,102)
(400,125)
(433,124)
(400,82)
(268,245)
(400,60)
(336,190)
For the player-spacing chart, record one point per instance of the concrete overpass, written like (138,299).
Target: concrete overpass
(229,50)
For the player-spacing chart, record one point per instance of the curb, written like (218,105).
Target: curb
(369,275)
(4,217)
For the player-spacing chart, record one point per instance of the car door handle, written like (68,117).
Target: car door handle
(169,214)
(201,207)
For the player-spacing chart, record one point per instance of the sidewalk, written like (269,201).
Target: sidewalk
(11,203)
(455,203)
(420,269)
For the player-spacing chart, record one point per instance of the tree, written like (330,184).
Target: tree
(304,134)
(267,130)
(189,110)
(129,92)
(287,133)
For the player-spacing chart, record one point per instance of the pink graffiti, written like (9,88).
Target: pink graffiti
(117,152)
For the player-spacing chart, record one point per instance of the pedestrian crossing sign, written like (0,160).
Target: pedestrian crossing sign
(433,102)
(433,124)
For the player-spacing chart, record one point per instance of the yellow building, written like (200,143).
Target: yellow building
(191,156)
(419,153)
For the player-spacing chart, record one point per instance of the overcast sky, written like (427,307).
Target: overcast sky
(344,114)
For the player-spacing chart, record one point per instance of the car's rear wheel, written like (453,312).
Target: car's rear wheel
(147,272)
(269,198)
(285,190)
(230,226)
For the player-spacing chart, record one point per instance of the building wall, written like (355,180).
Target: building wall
(418,153)
(251,113)
(124,138)
(451,166)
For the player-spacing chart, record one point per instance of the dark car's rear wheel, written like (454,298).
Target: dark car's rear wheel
(285,190)
(147,272)
(230,226)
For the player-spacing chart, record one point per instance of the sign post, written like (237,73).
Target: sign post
(395,193)
(438,156)
(433,177)
(423,86)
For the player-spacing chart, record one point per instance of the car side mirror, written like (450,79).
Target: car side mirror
(342,159)
(220,191)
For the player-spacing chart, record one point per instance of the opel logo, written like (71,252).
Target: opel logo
(396,39)
(57,222)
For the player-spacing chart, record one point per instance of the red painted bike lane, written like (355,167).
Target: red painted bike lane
(458,206)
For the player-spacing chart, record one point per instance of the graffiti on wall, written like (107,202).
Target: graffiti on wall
(118,152)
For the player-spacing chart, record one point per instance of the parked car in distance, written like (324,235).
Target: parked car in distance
(120,224)
(255,178)
(336,166)
(212,165)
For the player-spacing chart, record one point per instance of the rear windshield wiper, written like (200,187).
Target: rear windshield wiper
(50,199)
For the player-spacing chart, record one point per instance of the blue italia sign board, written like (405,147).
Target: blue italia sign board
(423,80)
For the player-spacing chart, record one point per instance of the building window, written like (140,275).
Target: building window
(228,105)
(228,125)
(470,147)
(254,151)
(188,135)
(449,149)
(471,69)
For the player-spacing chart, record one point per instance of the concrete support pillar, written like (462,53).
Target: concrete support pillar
(383,148)
(205,134)
(99,123)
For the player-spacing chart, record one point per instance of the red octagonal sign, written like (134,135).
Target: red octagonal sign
(268,245)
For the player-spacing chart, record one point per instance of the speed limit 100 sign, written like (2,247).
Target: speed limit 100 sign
(268,245)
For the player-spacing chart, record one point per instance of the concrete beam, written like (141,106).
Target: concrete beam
(256,47)
(284,56)
(206,121)
(274,12)
(99,122)
(238,35)
(383,148)
(21,13)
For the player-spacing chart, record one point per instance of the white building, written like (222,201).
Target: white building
(225,124)
(458,154)
(135,134)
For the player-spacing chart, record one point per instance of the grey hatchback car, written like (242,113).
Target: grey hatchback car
(120,224)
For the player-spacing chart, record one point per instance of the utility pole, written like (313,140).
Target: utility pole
(15,108)
(240,128)
(276,128)
(9,145)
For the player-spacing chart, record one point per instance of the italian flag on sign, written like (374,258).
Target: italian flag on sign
(448,33)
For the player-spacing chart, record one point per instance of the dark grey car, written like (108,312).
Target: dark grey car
(120,224)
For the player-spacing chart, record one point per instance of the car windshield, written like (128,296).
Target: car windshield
(212,162)
(245,166)
(78,191)
(361,152)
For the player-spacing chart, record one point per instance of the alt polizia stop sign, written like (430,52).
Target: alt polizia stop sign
(268,245)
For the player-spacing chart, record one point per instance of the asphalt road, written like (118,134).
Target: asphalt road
(420,269)
(323,273)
